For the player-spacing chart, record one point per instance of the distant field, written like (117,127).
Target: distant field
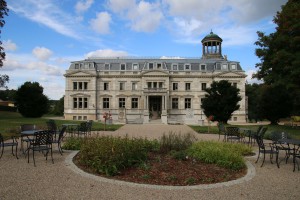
(10,123)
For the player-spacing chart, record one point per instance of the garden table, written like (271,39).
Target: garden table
(295,149)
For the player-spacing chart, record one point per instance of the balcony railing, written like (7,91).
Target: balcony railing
(155,89)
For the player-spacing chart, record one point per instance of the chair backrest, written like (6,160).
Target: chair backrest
(43,138)
(51,125)
(260,137)
(221,127)
(27,127)
(83,127)
(61,133)
(1,140)
(232,130)
(277,135)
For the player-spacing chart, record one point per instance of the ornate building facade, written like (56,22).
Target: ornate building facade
(145,90)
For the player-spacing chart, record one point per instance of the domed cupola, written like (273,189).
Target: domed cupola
(212,46)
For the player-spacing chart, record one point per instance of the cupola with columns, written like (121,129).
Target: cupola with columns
(212,46)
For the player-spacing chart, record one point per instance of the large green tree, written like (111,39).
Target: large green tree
(274,103)
(58,108)
(3,11)
(253,92)
(30,100)
(279,52)
(220,101)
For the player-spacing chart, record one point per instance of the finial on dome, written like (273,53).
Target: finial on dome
(211,32)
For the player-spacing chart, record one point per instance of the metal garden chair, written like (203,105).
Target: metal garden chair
(11,143)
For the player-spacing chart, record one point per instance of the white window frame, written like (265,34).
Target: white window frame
(233,66)
(201,67)
(133,66)
(224,66)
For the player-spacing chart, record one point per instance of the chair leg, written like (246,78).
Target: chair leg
(17,151)
(263,159)
(257,156)
(2,149)
(33,158)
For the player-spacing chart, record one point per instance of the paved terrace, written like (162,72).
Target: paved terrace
(20,180)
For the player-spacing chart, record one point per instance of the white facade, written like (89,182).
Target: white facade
(141,90)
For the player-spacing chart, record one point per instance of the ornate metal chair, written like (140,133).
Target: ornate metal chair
(12,143)
(233,133)
(59,139)
(275,136)
(42,142)
(26,127)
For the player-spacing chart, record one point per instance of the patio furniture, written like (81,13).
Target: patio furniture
(53,127)
(294,150)
(89,127)
(82,129)
(24,137)
(59,139)
(42,142)
(233,134)
(222,130)
(275,137)
(11,143)
(263,148)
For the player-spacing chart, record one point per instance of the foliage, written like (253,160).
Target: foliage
(253,92)
(204,129)
(3,11)
(58,108)
(72,143)
(274,103)
(108,155)
(226,155)
(30,100)
(221,101)
(7,95)
(279,52)
(176,142)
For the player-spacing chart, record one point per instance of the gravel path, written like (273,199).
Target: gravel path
(20,180)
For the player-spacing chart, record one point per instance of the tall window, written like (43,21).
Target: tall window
(203,86)
(175,86)
(121,102)
(174,103)
(106,86)
(187,86)
(85,102)
(160,84)
(134,103)
(149,85)
(80,85)
(105,102)
(134,86)
(122,86)
(75,103)
(187,103)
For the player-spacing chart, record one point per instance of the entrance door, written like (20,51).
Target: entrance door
(155,107)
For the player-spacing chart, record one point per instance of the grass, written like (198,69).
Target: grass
(10,123)
(292,131)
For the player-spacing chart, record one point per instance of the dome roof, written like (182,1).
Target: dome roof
(212,36)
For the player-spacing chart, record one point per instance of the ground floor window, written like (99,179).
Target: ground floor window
(105,102)
(187,103)
(174,103)
(121,102)
(134,103)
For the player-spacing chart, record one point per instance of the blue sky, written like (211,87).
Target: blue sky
(42,37)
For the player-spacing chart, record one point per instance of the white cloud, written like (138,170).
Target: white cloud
(142,16)
(46,12)
(120,5)
(106,53)
(83,5)
(249,78)
(42,53)
(8,45)
(101,24)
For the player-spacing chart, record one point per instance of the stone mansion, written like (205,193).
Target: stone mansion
(148,90)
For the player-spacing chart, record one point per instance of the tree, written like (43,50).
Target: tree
(279,52)
(7,95)
(59,107)
(274,103)
(3,12)
(30,100)
(221,101)
(253,92)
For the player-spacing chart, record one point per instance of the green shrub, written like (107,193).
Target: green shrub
(176,142)
(179,155)
(108,155)
(72,143)
(226,155)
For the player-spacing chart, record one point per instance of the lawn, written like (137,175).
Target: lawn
(292,131)
(10,123)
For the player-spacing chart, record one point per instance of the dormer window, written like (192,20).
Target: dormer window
(123,67)
(76,66)
(233,66)
(158,65)
(203,67)
(150,65)
(135,66)
(224,67)
(106,66)
(174,67)
(187,67)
